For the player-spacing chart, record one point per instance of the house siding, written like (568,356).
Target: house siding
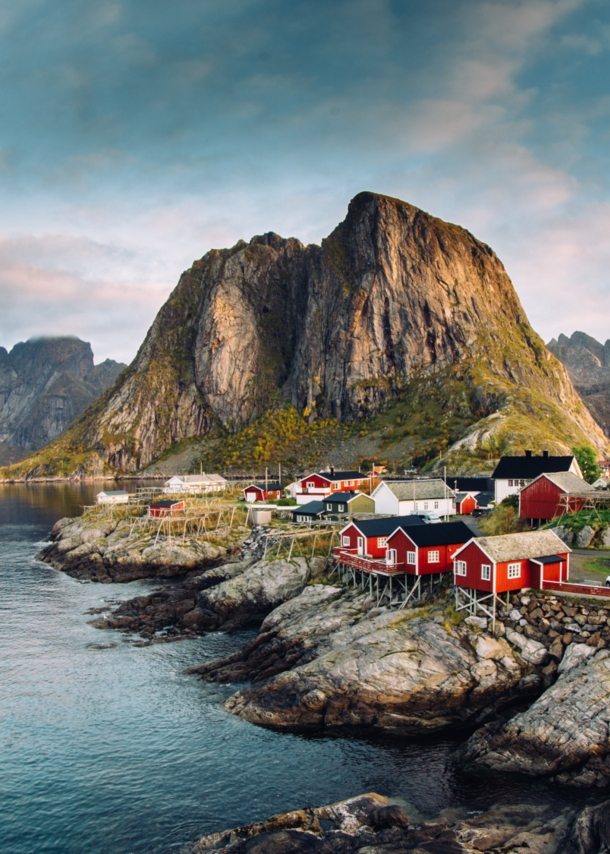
(540,500)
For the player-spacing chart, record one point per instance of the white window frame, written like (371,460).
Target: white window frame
(485,572)
(436,505)
(346,541)
(411,558)
(514,570)
(391,556)
(382,542)
(434,556)
(310,484)
(460,568)
(341,508)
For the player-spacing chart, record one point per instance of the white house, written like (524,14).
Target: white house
(117,496)
(194,483)
(401,498)
(513,473)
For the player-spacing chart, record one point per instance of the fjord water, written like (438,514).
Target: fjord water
(109,748)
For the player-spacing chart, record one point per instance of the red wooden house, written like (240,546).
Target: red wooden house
(263,492)
(315,486)
(551,495)
(369,537)
(426,549)
(166,507)
(495,565)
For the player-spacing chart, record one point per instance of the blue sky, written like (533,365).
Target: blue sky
(135,136)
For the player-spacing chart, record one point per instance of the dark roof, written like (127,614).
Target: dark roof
(439,535)
(484,498)
(166,502)
(314,508)
(340,475)
(527,468)
(470,484)
(342,497)
(262,486)
(384,527)
(548,559)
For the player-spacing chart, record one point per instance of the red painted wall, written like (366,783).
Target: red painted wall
(331,486)
(530,572)
(401,541)
(474,558)
(540,499)
(370,543)
(158,512)
(465,507)
(262,495)
(320,483)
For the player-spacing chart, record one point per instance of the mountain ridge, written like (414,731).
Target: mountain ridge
(587,362)
(392,306)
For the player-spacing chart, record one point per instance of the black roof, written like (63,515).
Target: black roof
(263,487)
(484,498)
(529,467)
(384,527)
(166,502)
(314,508)
(470,484)
(341,497)
(340,475)
(439,535)
(549,559)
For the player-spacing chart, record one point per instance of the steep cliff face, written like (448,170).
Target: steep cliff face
(338,330)
(588,364)
(44,384)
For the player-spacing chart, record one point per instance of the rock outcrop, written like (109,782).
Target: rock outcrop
(325,659)
(563,735)
(373,824)
(588,364)
(44,384)
(337,330)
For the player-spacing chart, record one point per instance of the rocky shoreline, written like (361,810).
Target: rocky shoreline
(530,693)
(372,824)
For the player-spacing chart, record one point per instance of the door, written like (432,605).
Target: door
(391,556)
(360,545)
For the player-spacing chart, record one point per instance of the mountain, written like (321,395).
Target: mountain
(588,364)
(400,334)
(44,384)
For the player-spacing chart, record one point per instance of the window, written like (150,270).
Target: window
(460,567)
(415,505)
(425,505)
(310,484)
(382,542)
(485,572)
(341,508)
(434,557)
(346,541)
(436,505)
(511,483)
(514,570)
(410,557)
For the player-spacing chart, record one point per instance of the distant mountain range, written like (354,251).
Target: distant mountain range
(588,364)
(44,384)
(400,337)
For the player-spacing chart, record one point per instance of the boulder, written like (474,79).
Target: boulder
(563,735)
(584,537)
(574,655)
(606,537)
(530,650)
(564,534)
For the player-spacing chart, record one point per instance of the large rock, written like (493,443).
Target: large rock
(531,650)
(372,824)
(585,537)
(325,659)
(564,734)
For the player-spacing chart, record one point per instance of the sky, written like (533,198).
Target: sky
(135,136)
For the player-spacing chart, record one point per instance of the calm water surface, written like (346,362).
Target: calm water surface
(115,750)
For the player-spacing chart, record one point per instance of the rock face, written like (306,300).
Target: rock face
(44,384)
(337,330)
(588,364)
(372,824)
(324,659)
(564,734)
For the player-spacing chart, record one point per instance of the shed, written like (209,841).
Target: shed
(550,495)
(166,507)
(401,497)
(263,492)
(117,496)
(465,503)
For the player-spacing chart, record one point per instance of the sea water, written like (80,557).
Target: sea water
(109,748)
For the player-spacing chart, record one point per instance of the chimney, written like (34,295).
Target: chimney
(528,453)
(332,470)
(545,453)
